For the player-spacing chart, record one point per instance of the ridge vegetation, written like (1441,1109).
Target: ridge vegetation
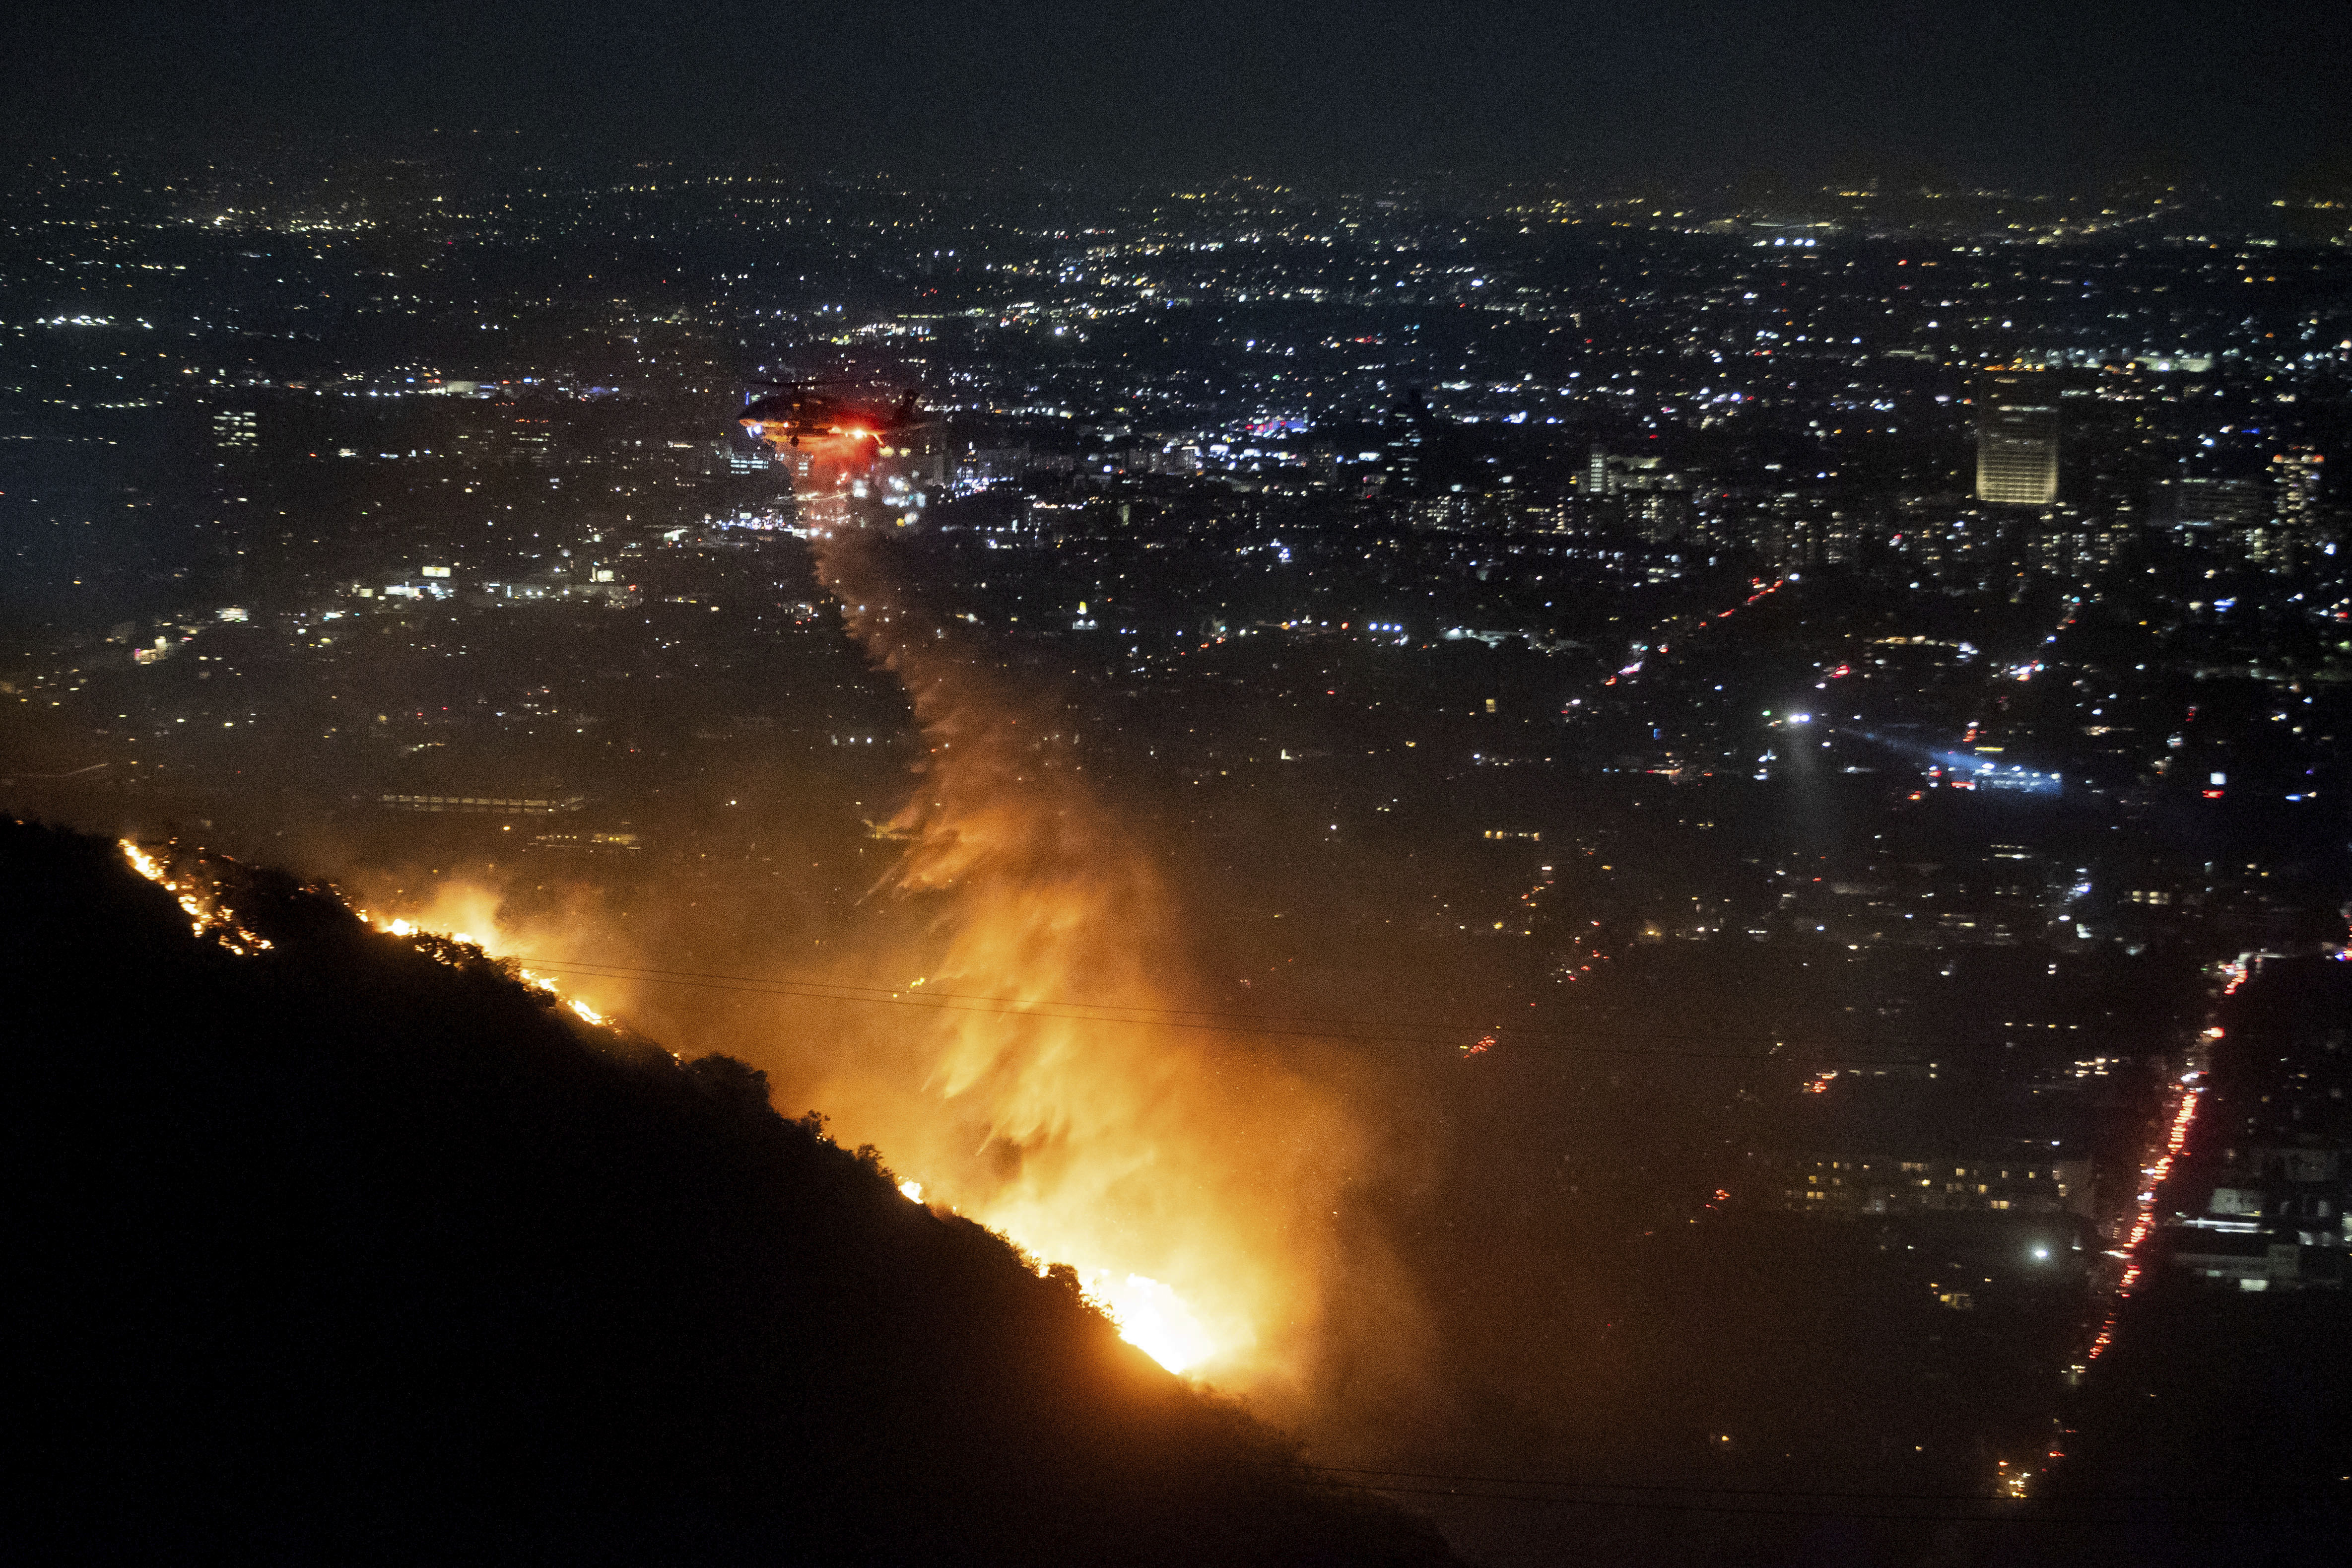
(349,1251)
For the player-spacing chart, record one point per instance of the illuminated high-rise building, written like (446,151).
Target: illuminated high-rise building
(2016,439)
(2225,506)
(234,427)
(2295,489)
(2283,541)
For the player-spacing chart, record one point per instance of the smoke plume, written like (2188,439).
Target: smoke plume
(1193,1181)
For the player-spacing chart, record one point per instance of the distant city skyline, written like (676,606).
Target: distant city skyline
(1682,830)
(2041,95)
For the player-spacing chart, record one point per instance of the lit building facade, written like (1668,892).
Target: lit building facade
(2016,439)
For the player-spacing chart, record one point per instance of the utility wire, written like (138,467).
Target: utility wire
(1937,1516)
(1025,1004)
(1654,1505)
(1214,1020)
(1699,1490)
(1694,1487)
(1360,1031)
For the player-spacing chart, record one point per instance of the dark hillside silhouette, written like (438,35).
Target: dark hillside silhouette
(343,1253)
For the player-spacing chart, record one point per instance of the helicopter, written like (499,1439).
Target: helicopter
(793,410)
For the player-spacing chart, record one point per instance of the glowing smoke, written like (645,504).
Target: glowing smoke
(1189,1181)
(1194,1183)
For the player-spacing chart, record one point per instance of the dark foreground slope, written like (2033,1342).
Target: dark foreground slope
(341,1253)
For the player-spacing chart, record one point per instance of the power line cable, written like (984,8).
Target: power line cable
(1214,1020)
(2024,1514)
(1701,1489)
(1658,1506)
(1357,1031)
(1694,1487)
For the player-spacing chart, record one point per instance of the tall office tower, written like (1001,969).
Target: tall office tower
(2017,439)
(2295,489)
(1596,473)
(2222,505)
(1408,423)
(1660,515)
(2293,526)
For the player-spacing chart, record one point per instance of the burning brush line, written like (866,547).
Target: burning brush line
(204,899)
(1083,1143)
(1191,1184)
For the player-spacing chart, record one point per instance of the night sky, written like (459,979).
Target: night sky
(2035,92)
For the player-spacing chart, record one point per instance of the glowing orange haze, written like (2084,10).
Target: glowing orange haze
(1191,1181)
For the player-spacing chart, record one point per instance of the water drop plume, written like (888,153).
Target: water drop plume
(1194,1181)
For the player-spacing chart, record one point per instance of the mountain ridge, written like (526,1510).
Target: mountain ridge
(350,1250)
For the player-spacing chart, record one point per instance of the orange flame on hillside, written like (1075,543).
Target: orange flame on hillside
(1190,1182)
(197,898)
(1193,1183)
(472,915)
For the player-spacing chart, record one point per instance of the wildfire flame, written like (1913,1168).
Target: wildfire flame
(201,903)
(1153,1318)
(478,910)
(1191,1185)
(1148,1313)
